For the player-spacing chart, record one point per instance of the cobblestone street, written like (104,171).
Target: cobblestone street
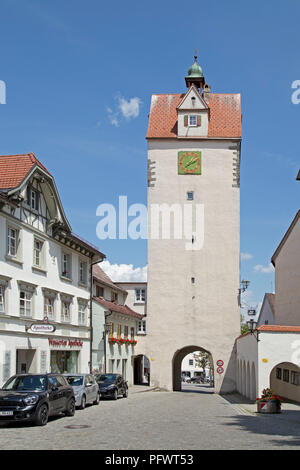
(193,419)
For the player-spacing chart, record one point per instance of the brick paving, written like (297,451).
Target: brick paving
(149,419)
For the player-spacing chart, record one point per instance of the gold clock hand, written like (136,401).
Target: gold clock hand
(191,161)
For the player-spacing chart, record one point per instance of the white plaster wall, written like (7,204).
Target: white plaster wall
(204,314)
(266,314)
(276,347)
(287,280)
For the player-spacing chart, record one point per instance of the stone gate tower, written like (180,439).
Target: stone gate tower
(194,143)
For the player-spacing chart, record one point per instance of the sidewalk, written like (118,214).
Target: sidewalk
(290,411)
(140,388)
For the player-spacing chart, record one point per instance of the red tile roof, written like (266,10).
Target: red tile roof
(14,168)
(123,309)
(225,116)
(102,277)
(280,328)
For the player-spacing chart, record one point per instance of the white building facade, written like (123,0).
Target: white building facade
(44,276)
(115,326)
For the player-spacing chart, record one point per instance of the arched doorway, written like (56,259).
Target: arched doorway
(285,381)
(141,370)
(177,363)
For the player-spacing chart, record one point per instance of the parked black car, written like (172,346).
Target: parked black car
(112,385)
(32,397)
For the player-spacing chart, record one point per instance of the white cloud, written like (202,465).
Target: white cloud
(127,109)
(246,256)
(264,269)
(130,108)
(124,272)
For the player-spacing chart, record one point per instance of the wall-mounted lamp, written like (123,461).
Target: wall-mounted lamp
(252,324)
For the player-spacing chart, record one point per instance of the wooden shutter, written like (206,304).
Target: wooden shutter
(186,120)
(198,121)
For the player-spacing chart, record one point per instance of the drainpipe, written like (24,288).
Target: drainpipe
(106,315)
(91,313)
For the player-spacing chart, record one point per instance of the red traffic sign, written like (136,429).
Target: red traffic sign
(220,370)
(220,362)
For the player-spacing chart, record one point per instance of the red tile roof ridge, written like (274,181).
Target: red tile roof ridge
(118,308)
(287,328)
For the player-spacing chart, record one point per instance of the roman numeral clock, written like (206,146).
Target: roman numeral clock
(189,163)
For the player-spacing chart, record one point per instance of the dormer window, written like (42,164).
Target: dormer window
(193,120)
(32,198)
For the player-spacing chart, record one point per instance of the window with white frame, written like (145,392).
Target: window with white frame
(142,326)
(49,307)
(140,295)
(37,252)
(82,313)
(2,299)
(66,311)
(12,241)
(25,303)
(32,198)
(82,272)
(66,265)
(193,120)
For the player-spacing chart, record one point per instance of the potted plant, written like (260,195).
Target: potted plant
(268,402)
(112,340)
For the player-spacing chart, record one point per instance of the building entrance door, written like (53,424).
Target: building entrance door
(26,361)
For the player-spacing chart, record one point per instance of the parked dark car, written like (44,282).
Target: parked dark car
(112,385)
(33,397)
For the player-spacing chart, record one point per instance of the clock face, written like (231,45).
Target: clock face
(189,163)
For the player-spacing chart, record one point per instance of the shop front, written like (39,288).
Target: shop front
(66,356)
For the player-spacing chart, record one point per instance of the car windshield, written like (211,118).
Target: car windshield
(106,378)
(75,380)
(26,383)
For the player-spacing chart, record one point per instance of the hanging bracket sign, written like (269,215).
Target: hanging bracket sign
(41,328)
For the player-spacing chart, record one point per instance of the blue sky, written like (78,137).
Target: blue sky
(67,65)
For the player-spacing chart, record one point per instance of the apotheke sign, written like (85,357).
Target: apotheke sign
(71,343)
(42,328)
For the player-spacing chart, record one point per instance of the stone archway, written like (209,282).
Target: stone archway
(177,360)
(285,381)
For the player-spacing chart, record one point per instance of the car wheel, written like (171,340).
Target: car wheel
(42,416)
(125,394)
(83,402)
(70,410)
(115,395)
(96,402)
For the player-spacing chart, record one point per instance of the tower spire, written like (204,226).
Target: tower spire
(195,74)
